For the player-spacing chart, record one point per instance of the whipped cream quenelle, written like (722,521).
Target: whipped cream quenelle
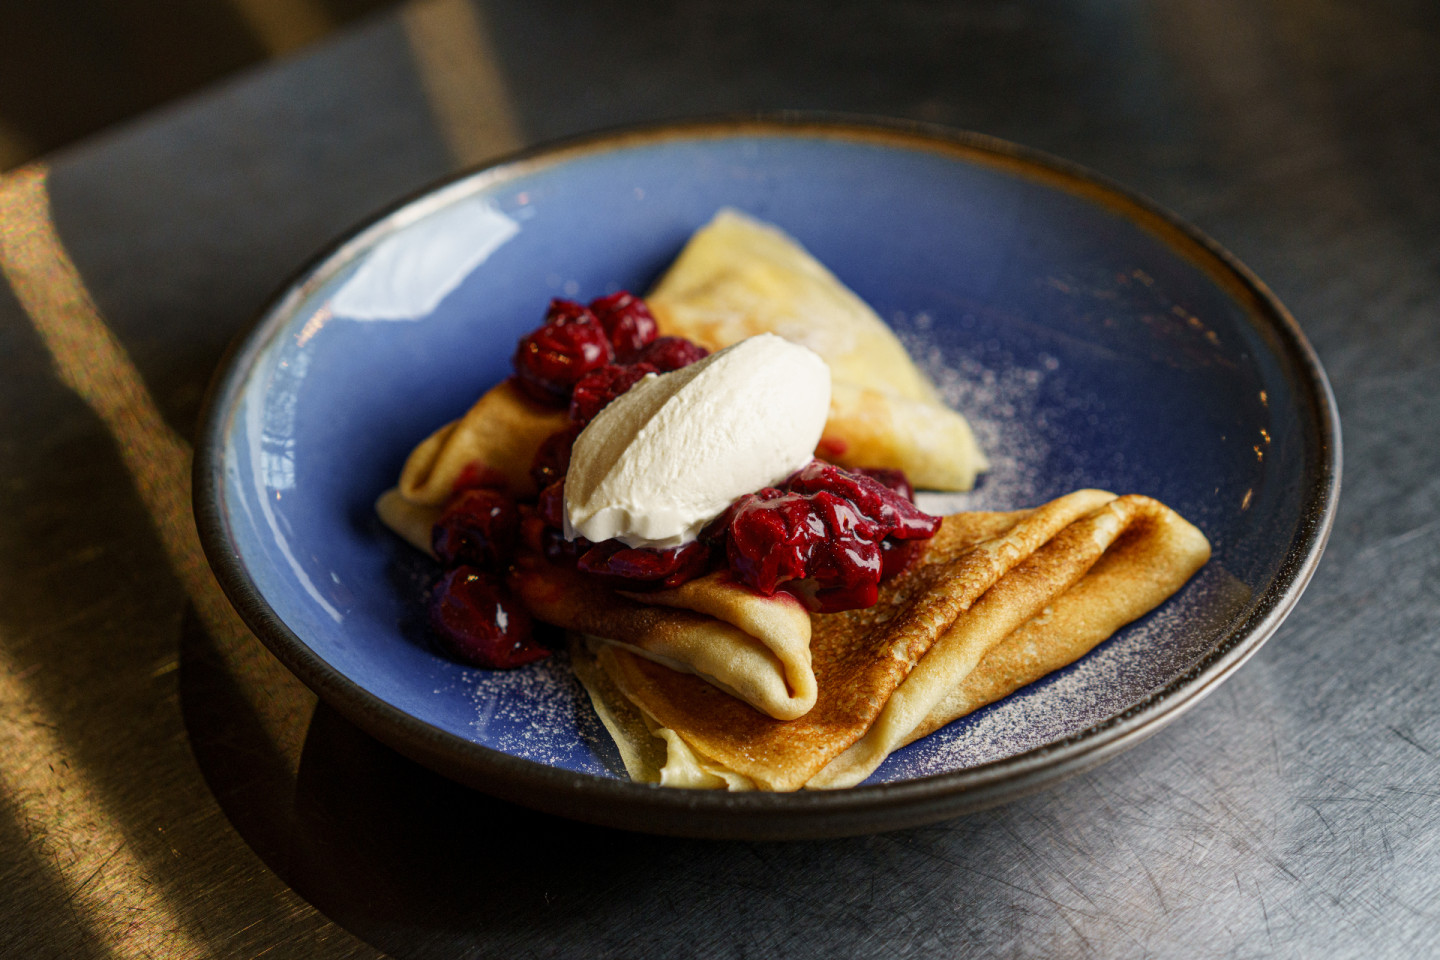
(670,454)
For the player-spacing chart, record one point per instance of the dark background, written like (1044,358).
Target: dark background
(71,67)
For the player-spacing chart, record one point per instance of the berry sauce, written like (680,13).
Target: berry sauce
(478,528)
(628,323)
(827,535)
(571,343)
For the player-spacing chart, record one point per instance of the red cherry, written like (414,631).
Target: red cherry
(551,504)
(771,539)
(550,359)
(596,389)
(478,528)
(478,475)
(628,322)
(552,458)
(550,511)
(559,550)
(824,537)
(480,623)
(846,563)
(671,353)
(646,567)
(891,478)
(897,556)
(833,599)
(561,312)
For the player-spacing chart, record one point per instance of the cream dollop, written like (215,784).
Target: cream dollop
(670,454)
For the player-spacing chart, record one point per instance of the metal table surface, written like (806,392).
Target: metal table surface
(166,789)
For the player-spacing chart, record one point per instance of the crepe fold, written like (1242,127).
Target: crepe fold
(412,521)
(493,445)
(996,601)
(752,650)
(738,277)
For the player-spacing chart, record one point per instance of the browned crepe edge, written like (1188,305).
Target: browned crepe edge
(1064,633)
(1043,599)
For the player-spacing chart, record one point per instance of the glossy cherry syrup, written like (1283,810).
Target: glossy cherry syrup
(646,567)
(480,622)
(823,536)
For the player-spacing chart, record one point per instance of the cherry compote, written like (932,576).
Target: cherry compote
(582,357)
(889,477)
(480,622)
(897,512)
(645,567)
(549,360)
(548,536)
(823,536)
(770,535)
(632,568)
(671,353)
(628,323)
(478,528)
(594,391)
(550,505)
(552,458)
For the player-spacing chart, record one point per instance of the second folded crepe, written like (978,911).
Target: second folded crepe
(996,601)
(736,277)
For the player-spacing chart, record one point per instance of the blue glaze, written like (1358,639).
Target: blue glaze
(1116,362)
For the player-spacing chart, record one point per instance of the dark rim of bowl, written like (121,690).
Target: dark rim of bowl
(865,808)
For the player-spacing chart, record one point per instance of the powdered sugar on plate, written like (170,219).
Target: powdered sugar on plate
(1000,399)
(540,712)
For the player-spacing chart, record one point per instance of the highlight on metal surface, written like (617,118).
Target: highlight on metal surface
(116,897)
(456,61)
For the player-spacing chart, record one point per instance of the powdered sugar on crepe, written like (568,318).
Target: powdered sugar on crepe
(1113,677)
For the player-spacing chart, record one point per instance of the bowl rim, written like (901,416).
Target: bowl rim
(759,815)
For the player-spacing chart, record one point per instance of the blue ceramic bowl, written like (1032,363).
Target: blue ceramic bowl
(1091,338)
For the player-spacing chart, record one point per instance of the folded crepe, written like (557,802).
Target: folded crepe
(996,601)
(493,445)
(738,277)
(753,649)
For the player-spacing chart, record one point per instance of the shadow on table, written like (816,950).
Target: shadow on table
(419,866)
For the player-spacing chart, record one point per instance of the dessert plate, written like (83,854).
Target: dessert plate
(1092,339)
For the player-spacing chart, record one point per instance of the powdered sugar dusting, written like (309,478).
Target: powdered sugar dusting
(539,712)
(1000,399)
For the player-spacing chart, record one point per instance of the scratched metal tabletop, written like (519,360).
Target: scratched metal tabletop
(167,789)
